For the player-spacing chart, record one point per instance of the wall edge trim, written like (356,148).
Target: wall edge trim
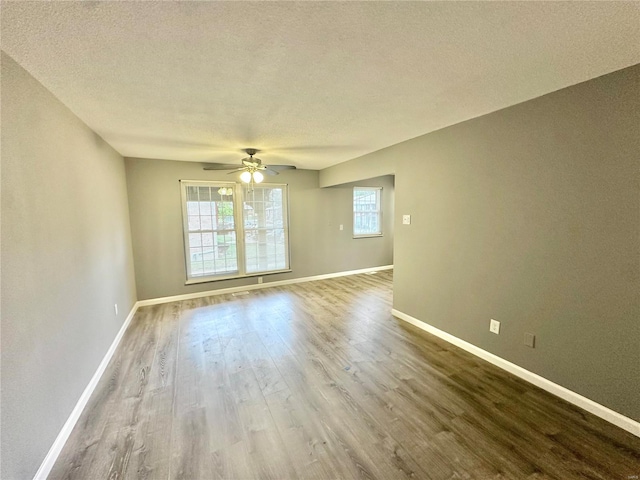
(53,453)
(256,286)
(570,396)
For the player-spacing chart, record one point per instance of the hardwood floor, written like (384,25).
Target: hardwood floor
(318,380)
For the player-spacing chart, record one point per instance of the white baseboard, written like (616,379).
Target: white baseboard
(56,448)
(255,286)
(601,411)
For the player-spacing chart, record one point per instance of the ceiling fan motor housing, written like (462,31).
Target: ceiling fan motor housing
(251,162)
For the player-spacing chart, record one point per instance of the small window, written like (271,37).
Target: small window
(367,212)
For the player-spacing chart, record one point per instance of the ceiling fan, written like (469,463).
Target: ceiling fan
(252,167)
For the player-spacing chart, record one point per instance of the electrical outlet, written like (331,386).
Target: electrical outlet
(115,308)
(406,219)
(259,279)
(530,340)
(341,227)
(494,326)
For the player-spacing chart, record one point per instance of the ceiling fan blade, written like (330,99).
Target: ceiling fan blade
(268,171)
(236,170)
(220,166)
(280,168)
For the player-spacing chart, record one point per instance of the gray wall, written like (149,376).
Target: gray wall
(66,260)
(317,244)
(530,215)
(382,164)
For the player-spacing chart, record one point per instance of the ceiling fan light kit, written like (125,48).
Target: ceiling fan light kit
(252,168)
(247,176)
(257,177)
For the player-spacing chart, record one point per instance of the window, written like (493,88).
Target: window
(234,231)
(266,236)
(367,214)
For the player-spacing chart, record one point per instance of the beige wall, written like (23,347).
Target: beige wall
(317,244)
(66,260)
(530,215)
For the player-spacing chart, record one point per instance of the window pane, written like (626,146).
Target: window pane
(206,223)
(205,208)
(224,215)
(366,211)
(220,257)
(210,212)
(192,208)
(194,223)
(196,260)
(192,194)
(204,194)
(266,242)
(195,240)
(207,239)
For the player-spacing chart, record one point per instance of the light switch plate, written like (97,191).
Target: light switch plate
(530,340)
(406,219)
(494,326)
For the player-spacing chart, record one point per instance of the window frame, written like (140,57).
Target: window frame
(378,191)
(238,218)
(285,228)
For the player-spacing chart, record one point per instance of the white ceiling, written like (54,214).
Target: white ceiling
(309,83)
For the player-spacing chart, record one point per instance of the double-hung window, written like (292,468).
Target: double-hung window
(367,212)
(266,236)
(234,231)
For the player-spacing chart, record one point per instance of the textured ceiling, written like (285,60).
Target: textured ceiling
(311,84)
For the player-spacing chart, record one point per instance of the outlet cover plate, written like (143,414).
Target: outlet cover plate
(494,326)
(406,219)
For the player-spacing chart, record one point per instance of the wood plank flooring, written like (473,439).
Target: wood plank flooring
(318,380)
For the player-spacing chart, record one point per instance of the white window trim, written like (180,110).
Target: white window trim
(238,220)
(379,211)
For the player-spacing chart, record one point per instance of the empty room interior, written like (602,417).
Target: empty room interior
(331,240)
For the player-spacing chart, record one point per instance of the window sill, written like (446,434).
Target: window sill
(194,281)
(373,235)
